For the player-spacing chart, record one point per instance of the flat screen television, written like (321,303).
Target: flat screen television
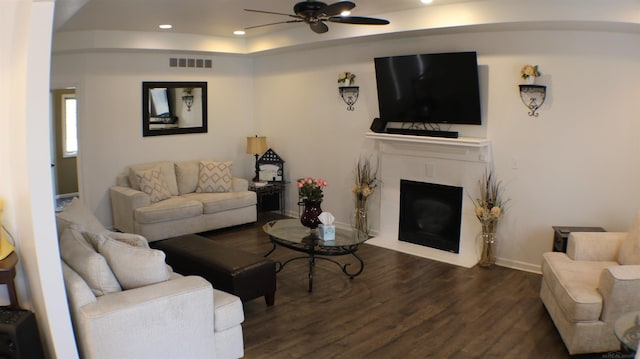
(429,88)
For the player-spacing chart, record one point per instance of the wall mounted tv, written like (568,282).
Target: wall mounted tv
(429,88)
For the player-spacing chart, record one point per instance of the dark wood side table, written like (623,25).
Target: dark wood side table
(269,190)
(561,235)
(7,273)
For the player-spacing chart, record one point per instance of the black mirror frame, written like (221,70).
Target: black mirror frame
(146,123)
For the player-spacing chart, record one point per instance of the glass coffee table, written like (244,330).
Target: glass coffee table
(289,233)
(627,329)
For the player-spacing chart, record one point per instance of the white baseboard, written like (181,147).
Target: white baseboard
(67,195)
(523,266)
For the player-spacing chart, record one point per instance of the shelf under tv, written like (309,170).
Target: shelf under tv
(418,132)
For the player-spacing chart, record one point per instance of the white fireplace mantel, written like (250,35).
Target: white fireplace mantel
(463,148)
(465,142)
(449,161)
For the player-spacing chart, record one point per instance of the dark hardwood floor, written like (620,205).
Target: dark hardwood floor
(401,306)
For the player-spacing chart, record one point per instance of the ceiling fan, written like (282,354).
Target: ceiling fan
(315,13)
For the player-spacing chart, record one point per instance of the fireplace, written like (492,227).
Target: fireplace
(434,163)
(430,215)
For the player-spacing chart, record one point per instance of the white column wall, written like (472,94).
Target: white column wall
(25,185)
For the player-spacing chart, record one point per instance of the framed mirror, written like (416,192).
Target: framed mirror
(170,108)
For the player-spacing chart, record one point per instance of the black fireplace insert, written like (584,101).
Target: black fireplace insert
(430,215)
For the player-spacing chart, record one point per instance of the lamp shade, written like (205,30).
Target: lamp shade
(256,145)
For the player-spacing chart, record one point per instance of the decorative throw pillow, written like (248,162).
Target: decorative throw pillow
(90,265)
(131,239)
(96,239)
(77,214)
(134,266)
(629,252)
(153,183)
(214,177)
(167,168)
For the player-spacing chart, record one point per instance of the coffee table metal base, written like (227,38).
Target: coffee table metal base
(313,253)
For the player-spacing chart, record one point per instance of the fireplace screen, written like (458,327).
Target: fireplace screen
(430,215)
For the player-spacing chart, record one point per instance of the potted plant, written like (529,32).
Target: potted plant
(310,193)
(366,182)
(346,78)
(529,73)
(489,208)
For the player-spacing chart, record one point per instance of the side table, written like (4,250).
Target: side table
(269,190)
(561,235)
(7,273)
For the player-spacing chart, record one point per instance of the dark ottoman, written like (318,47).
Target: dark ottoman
(241,273)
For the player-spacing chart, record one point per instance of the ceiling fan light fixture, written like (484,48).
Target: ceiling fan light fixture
(345,13)
(239,32)
(165,26)
(426,1)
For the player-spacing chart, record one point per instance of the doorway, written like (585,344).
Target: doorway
(65,141)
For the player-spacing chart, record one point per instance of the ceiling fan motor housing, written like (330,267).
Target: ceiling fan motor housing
(309,9)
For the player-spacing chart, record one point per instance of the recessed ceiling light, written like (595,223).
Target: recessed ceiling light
(426,1)
(239,32)
(165,26)
(345,13)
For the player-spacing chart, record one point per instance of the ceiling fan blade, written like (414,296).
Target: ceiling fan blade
(337,8)
(358,20)
(319,27)
(273,23)
(273,13)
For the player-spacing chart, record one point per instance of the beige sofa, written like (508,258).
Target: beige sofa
(167,199)
(125,302)
(587,289)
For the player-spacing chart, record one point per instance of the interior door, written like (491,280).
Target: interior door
(64,164)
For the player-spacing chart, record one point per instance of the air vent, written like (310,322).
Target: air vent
(191,63)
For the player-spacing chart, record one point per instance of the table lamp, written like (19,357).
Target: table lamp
(256,146)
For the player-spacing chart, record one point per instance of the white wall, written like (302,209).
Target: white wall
(109,91)
(576,162)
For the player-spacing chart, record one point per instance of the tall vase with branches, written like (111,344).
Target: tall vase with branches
(366,181)
(489,208)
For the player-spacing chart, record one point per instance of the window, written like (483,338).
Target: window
(69,126)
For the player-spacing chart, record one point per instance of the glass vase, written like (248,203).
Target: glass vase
(488,254)
(359,220)
(309,217)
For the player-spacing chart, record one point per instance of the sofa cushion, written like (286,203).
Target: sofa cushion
(77,214)
(630,248)
(214,177)
(90,265)
(218,202)
(167,169)
(228,310)
(152,182)
(574,285)
(187,176)
(133,266)
(171,209)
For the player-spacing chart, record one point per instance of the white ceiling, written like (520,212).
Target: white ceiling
(202,17)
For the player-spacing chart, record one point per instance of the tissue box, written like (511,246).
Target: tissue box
(327,233)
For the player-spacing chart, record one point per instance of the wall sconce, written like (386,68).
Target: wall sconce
(187,98)
(533,97)
(349,95)
(256,146)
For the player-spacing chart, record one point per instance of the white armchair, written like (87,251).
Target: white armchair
(592,285)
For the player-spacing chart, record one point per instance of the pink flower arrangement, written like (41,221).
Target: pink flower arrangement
(311,189)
